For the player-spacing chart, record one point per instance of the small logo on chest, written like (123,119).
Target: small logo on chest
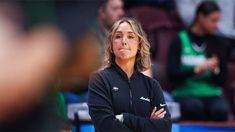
(145,99)
(115,88)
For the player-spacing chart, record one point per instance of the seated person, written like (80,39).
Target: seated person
(197,68)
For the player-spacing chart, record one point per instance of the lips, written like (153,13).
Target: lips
(123,49)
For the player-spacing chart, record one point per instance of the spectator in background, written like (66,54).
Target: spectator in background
(89,51)
(29,62)
(197,68)
(187,8)
(109,12)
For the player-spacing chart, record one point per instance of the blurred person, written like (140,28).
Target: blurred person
(187,9)
(29,62)
(89,51)
(198,69)
(120,97)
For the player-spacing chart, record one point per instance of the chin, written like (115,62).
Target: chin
(125,57)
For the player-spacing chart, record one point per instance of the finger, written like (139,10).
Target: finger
(162,114)
(203,66)
(214,65)
(154,109)
(160,117)
(155,117)
(216,70)
(158,112)
(214,61)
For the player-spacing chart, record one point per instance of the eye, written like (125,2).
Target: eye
(130,37)
(117,36)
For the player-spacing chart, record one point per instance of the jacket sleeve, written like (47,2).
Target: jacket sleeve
(100,106)
(220,79)
(138,123)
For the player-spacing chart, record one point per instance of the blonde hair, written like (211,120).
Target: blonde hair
(143,61)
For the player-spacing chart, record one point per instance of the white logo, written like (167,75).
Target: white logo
(115,88)
(162,105)
(145,99)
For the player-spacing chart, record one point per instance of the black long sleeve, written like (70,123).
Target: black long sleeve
(112,93)
(217,47)
(138,123)
(100,106)
(221,78)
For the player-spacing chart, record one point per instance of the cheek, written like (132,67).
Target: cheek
(115,46)
(112,16)
(114,13)
(211,23)
(134,47)
(211,26)
(205,22)
(109,18)
(135,43)
(206,25)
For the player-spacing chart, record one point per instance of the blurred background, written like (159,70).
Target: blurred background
(48,49)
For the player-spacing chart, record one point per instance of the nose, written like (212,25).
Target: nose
(124,41)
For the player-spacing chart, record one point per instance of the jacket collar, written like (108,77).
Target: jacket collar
(122,73)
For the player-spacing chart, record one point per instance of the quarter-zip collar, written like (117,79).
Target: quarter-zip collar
(122,73)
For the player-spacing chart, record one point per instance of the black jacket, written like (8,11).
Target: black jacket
(112,93)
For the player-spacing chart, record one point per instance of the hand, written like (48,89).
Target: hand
(213,62)
(199,69)
(210,64)
(203,67)
(158,114)
(214,65)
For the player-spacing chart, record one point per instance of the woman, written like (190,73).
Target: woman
(120,97)
(197,67)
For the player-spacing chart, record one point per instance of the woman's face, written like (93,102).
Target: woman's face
(210,22)
(125,43)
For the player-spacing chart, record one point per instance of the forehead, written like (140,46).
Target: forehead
(113,3)
(215,14)
(124,27)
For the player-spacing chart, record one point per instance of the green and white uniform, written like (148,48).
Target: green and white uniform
(198,85)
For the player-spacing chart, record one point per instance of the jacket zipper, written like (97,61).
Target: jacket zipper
(130,94)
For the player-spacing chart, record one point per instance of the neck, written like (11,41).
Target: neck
(197,29)
(127,66)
